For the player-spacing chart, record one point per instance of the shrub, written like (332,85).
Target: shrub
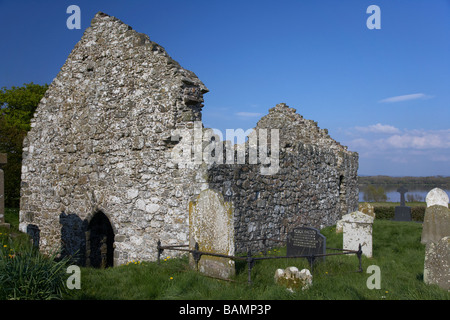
(418,213)
(29,275)
(384,212)
(388,212)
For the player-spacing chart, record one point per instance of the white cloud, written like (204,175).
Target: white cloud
(414,96)
(420,139)
(378,128)
(360,143)
(408,140)
(248,114)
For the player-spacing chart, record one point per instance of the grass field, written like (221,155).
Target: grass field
(397,251)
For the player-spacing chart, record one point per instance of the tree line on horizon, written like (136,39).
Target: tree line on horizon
(435,181)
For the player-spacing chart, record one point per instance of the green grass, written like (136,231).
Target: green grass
(396,250)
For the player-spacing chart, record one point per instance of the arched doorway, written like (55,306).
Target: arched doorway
(100,242)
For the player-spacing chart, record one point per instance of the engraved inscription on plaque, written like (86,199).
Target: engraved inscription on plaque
(305,241)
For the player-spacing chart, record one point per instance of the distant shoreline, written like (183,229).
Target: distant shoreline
(435,181)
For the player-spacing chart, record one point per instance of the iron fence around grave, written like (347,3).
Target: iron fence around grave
(251,259)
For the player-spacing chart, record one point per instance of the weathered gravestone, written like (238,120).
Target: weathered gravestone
(3,160)
(436,222)
(402,212)
(305,241)
(365,208)
(437,263)
(211,226)
(357,228)
(293,279)
(436,237)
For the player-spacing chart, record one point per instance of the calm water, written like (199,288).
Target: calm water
(419,193)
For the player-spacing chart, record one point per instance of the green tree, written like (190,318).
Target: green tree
(17,106)
(374,194)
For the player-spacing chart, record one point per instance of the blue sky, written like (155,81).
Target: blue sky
(384,93)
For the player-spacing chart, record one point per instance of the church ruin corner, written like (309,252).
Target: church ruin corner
(98,176)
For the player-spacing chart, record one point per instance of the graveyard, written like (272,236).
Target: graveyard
(397,250)
(126,195)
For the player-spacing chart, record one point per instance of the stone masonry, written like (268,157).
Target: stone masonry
(100,152)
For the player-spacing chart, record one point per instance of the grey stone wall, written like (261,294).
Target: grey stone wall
(315,185)
(102,141)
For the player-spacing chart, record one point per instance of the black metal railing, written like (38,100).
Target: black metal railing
(250,259)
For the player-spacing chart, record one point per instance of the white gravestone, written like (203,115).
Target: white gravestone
(357,228)
(437,197)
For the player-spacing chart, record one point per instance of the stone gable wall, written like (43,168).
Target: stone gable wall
(100,141)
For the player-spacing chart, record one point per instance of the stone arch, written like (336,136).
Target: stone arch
(99,242)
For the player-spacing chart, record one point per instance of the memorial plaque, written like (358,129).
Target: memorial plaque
(305,241)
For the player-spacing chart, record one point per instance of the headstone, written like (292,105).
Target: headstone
(437,263)
(437,197)
(402,212)
(436,222)
(367,208)
(402,190)
(305,241)
(3,160)
(293,279)
(211,225)
(357,228)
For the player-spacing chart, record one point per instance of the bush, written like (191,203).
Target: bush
(29,275)
(418,213)
(384,212)
(388,212)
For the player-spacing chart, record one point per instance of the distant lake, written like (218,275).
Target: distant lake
(419,192)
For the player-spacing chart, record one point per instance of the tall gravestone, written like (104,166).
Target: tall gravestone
(436,237)
(211,226)
(402,212)
(436,222)
(357,228)
(3,160)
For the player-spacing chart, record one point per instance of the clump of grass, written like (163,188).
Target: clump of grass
(26,274)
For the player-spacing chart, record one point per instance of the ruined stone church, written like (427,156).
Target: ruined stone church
(99,180)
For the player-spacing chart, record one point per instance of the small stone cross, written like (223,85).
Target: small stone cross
(402,190)
(3,160)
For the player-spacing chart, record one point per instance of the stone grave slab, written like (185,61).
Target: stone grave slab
(211,225)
